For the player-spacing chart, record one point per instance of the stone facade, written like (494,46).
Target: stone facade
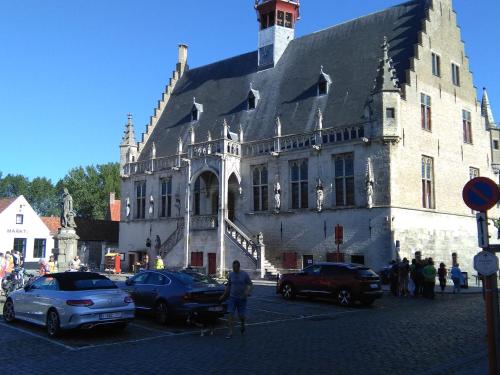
(370,171)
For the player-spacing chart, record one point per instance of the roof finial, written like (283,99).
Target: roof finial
(128,138)
(486,109)
(386,79)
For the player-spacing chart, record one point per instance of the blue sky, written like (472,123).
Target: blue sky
(71,70)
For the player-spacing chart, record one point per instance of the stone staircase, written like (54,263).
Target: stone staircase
(271,272)
(243,242)
(173,239)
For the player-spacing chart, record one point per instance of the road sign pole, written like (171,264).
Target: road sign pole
(492,314)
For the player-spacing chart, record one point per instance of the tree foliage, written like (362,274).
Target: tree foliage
(89,186)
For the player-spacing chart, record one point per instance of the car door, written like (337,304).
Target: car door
(45,297)
(328,282)
(136,287)
(153,288)
(306,279)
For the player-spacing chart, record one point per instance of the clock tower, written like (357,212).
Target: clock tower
(277,20)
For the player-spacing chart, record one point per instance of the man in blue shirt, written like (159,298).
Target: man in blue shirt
(238,288)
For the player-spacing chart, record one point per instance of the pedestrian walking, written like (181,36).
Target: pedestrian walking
(394,277)
(429,274)
(442,273)
(238,288)
(404,271)
(456,277)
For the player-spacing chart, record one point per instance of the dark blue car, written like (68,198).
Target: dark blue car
(169,294)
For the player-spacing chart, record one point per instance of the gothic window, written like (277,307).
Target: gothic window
(166,197)
(425,107)
(467,126)
(455,74)
(436,64)
(299,183)
(344,179)
(140,199)
(260,188)
(428,182)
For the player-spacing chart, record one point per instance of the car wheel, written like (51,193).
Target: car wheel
(287,291)
(161,313)
(367,301)
(344,297)
(9,315)
(53,323)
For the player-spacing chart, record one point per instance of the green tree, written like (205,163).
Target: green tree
(14,185)
(90,187)
(43,197)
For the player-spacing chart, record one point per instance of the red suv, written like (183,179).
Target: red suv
(345,282)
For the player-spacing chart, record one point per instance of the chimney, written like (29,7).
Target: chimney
(182,58)
(111,197)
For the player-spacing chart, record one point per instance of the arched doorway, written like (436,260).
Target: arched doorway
(232,194)
(206,194)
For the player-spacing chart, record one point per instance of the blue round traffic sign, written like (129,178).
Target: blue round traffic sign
(480,194)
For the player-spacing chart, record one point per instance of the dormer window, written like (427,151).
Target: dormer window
(196,111)
(324,83)
(253,98)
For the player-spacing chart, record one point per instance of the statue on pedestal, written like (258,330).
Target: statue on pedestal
(67,212)
(369,180)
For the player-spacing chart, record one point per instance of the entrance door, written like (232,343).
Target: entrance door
(212,263)
(230,205)
(131,262)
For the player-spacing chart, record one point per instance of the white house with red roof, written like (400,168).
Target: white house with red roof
(22,229)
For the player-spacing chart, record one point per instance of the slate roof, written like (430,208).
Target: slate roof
(6,202)
(349,53)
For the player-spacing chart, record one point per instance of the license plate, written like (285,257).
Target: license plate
(110,315)
(216,308)
(374,286)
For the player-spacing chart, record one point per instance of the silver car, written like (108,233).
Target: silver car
(70,300)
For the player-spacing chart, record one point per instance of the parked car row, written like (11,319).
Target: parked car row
(83,300)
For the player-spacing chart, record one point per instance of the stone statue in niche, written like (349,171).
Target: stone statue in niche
(320,195)
(127,207)
(369,183)
(151,205)
(260,238)
(277,197)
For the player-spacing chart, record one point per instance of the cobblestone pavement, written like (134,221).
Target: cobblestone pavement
(396,336)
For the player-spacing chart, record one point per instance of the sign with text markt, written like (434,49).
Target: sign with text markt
(486,263)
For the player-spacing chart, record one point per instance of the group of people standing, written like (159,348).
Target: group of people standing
(8,262)
(419,277)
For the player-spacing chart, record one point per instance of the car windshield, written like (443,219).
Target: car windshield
(195,278)
(366,272)
(93,282)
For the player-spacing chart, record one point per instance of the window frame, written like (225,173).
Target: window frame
(436,64)
(260,190)
(22,249)
(467,126)
(427,182)
(390,111)
(426,112)
(165,197)
(36,248)
(140,200)
(19,219)
(455,74)
(300,200)
(343,181)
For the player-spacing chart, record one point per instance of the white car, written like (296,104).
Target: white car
(70,300)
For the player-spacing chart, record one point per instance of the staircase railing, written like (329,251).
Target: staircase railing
(245,243)
(173,239)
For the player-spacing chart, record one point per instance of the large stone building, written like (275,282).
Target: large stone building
(373,124)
